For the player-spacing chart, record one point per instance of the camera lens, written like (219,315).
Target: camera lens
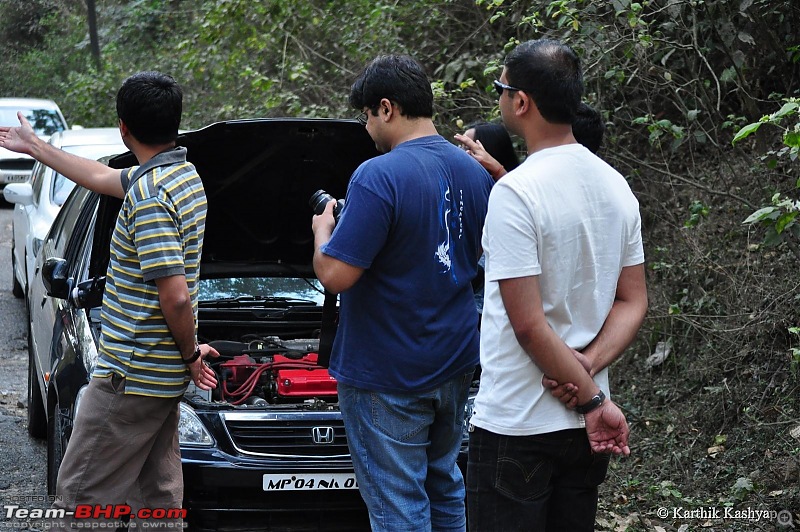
(319,200)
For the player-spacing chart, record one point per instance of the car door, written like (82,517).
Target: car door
(67,239)
(22,228)
(40,185)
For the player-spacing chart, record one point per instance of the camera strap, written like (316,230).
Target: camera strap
(327,331)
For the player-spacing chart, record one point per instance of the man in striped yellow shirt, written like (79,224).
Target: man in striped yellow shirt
(124,446)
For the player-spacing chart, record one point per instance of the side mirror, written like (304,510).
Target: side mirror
(89,293)
(21,193)
(55,278)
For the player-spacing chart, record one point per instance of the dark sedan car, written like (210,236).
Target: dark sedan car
(266,450)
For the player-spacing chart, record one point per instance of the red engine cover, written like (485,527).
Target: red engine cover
(241,367)
(304,382)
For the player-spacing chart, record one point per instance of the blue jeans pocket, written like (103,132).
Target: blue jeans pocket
(399,419)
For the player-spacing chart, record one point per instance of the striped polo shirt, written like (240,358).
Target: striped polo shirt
(158,233)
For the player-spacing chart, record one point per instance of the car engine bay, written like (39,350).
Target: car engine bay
(270,371)
(278,367)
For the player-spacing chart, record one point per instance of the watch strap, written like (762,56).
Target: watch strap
(593,403)
(195,356)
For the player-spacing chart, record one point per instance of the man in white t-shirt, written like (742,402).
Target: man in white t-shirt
(565,295)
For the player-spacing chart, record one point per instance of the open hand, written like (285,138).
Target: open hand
(202,375)
(19,139)
(607,429)
(479,153)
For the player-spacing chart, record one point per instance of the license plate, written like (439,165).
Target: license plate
(310,481)
(16,178)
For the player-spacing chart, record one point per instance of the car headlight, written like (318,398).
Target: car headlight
(191,430)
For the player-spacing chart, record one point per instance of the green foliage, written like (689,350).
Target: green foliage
(658,128)
(794,352)
(697,211)
(780,217)
(669,493)
(791,131)
(742,488)
(25,24)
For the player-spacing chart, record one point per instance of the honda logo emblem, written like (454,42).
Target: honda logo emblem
(322,435)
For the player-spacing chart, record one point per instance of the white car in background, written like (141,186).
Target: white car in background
(38,200)
(46,119)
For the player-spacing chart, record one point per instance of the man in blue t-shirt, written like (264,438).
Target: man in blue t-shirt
(402,256)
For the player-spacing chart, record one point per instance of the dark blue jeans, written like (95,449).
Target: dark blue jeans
(533,483)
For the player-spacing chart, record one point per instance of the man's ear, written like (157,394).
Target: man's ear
(523,104)
(386,109)
(123,129)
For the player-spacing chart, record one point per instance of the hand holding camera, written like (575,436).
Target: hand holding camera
(320,199)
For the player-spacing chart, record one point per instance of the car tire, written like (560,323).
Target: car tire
(37,422)
(16,289)
(56,446)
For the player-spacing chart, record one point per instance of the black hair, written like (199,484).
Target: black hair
(497,143)
(550,73)
(588,127)
(150,104)
(398,78)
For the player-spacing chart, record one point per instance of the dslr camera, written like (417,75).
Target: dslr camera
(320,199)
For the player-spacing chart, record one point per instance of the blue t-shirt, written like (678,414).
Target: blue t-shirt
(412,219)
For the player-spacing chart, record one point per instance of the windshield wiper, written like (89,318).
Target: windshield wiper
(254,300)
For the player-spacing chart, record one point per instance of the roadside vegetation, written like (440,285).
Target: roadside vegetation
(701,100)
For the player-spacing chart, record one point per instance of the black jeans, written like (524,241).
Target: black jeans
(533,483)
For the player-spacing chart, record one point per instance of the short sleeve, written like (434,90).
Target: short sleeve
(125,177)
(157,239)
(363,228)
(634,252)
(510,239)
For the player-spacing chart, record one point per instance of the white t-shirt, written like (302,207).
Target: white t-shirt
(570,218)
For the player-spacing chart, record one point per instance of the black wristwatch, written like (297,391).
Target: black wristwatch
(194,357)
(593,403)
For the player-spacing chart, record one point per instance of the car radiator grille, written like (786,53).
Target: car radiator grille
(287,438)
(17,164)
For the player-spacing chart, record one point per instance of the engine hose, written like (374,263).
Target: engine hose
(245,390)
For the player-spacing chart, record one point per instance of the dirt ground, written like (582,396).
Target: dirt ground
(23,460)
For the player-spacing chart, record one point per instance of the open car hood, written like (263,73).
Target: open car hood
(258,176)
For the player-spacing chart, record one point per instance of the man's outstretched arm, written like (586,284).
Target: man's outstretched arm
(86,172)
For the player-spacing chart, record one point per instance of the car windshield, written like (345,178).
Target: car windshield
(262,288)
(45,122)
(63,186)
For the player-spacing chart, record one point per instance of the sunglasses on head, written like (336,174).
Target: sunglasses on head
(499,86)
